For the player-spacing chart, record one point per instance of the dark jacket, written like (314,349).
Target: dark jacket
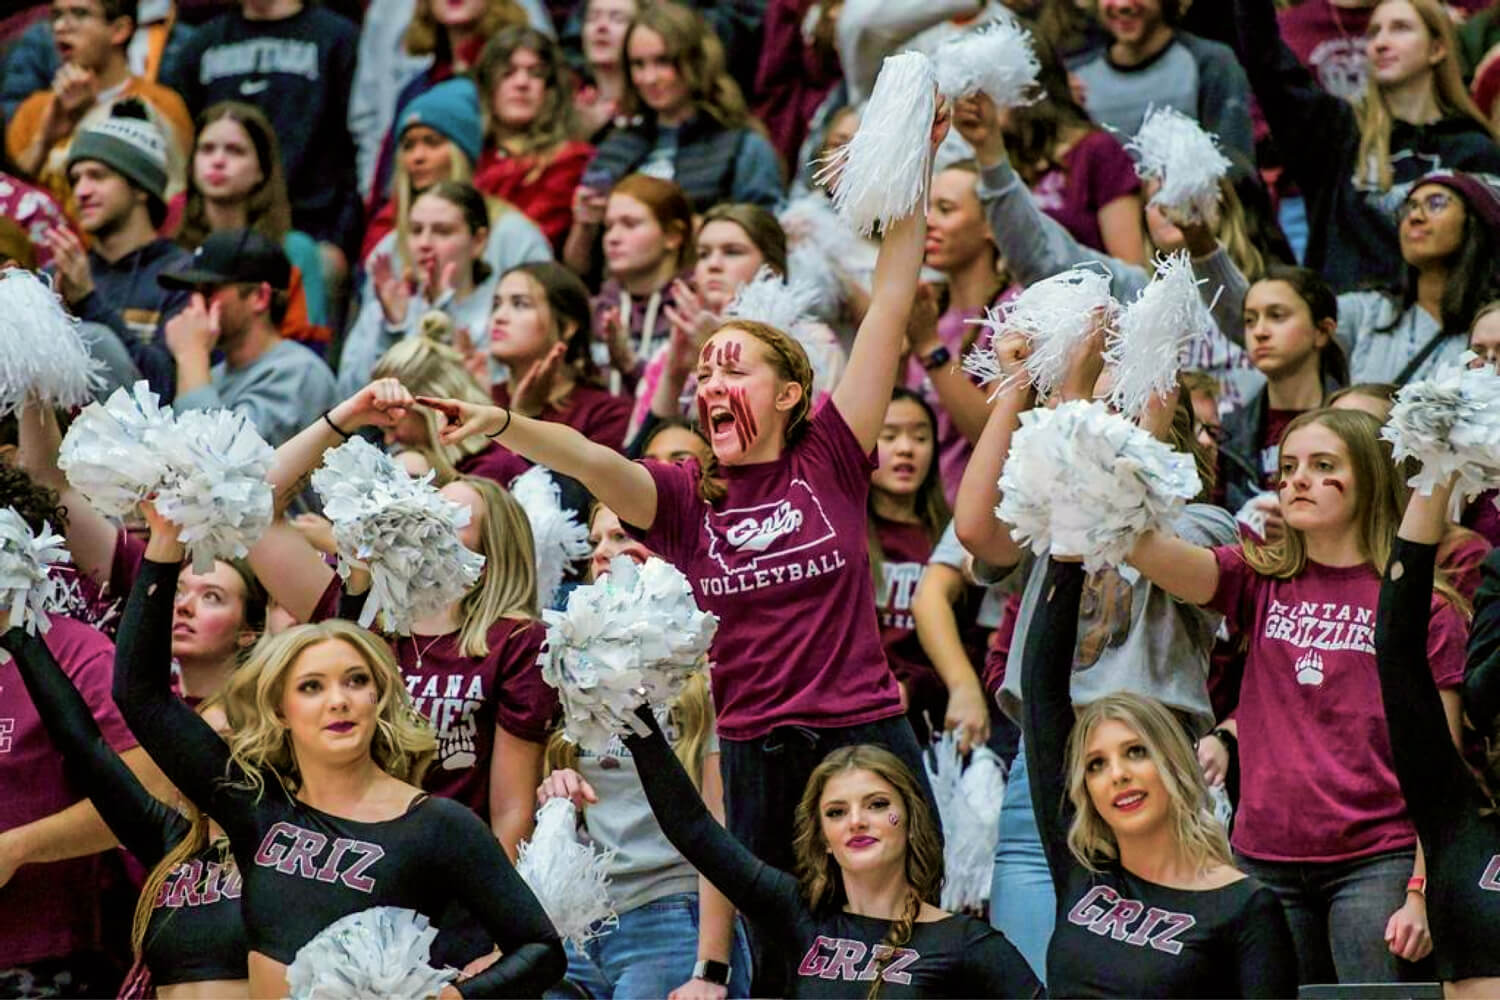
(127,299)
(1482,670)
(1239,455)
(711,163)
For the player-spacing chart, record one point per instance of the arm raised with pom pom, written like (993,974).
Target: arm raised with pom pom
(985,536)
(90,535)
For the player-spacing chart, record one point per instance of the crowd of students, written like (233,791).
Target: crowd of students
(498,234)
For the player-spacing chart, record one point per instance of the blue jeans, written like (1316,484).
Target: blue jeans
(1338,911)
(1293,219)
(650,954)
(1023,904)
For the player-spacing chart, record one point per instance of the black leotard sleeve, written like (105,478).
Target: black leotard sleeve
(146,827)
(185,747)
(1482,680)
(1047,704)
(1433,776)
(766,895)
(483,879)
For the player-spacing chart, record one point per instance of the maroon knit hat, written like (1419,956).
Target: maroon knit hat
(1480,197)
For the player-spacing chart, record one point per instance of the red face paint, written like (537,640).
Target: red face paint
(1336,484)
(731,355)
(1281,484)
(703,423)
(745,427)
(895,819)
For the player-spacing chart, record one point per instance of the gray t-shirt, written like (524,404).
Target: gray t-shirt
(950,552)
(646,865)
(280,392)
(1133,637)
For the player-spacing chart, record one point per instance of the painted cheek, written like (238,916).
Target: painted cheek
(703,424)
(745,427)
(1335,483)
(894,819)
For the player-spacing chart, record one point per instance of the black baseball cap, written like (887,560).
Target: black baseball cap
(232,257)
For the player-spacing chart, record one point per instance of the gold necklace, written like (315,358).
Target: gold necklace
(421,651)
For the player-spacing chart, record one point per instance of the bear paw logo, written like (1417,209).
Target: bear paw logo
(1310,669)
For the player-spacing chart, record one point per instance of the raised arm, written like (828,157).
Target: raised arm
(620,484)
(90,535)
(186,747)
(1186,571)
(145,827)
(1047,702)
(1433,776)
(764,894)
(986,536)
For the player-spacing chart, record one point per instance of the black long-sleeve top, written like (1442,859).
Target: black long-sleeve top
(957,956)
(195,934)
(1118,934)
(1482,667)
(304,868)
(1352,237)
(1462,847)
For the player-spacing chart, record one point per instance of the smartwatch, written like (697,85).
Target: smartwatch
(712,972)
(937,358)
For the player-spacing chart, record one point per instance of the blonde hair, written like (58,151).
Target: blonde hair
(691,715)
(404,743)
(426,366)
(818,874)
(1199,836)
(507,586)
(1372,166)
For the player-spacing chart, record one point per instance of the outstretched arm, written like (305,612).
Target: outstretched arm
(620,484)
(90,535)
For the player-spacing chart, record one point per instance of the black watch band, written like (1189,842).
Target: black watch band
(712,972)
(937,358)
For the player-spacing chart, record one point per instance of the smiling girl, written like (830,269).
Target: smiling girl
(1149,902)
(315,791)
(1321,817)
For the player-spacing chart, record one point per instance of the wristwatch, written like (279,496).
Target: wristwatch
(939,357)
(712,972)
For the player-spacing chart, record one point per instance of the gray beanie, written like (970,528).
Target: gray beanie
(133,147)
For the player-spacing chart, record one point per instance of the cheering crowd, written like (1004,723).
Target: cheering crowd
(772,293)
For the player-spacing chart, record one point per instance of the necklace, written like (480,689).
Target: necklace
(422,651)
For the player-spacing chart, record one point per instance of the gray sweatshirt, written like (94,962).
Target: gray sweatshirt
(280,392)
(1377,354)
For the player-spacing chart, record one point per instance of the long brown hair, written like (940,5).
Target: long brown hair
(268,209)
(1035,131)
(697,54)
(424,36)
(553,123)
(818,875)
(1372,165)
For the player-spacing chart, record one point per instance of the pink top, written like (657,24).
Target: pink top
(1316,778)
(784,562)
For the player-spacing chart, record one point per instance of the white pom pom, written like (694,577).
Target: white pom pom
(884,170)
(1173,149)
(28,587)
(570,879)
(1082,481)
(215,487)
(41,351)
(1055,314)
(819,239)
(401,529)
(1451,424)
(1152,333)
(556,534)
(380,952)
(997,60)
(968,801)
(769,299)
(110,453)
(635,636)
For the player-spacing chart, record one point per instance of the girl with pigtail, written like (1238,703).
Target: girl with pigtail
(1131,635)
(472,668)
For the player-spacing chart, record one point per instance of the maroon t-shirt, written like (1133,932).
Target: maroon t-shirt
(1094,172)
(1316,778)
(596,413)
(905,549)
(1330,42)
(1483,516)
(1270,447)
(495,462)
(466,698)
(783,561)
(51,910)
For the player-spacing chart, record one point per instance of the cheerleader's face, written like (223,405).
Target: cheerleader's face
(864,822)
(1123,781)
(743,405)
(208,616)
(460,492)
(329,703)
(1317,481)
(727,260)
(609,539)
(906,448)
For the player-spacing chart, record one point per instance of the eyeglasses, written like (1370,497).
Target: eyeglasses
(75,15)
(1433,204)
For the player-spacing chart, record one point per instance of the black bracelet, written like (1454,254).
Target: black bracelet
(503,426)
(336,428)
